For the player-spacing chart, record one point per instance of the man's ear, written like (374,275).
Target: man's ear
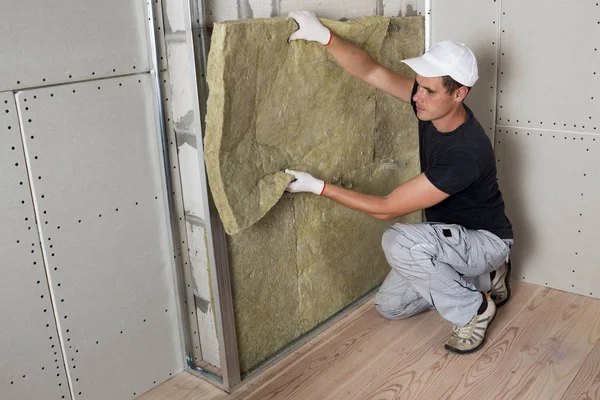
(461,93)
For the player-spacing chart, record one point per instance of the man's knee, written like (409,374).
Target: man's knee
(398,300)
(388,239)
(391,312)
(407,243)
(402,312)
(394,239)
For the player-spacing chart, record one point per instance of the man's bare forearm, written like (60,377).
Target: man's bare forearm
(374,206)
(361,65)
(415,194)
(354,60)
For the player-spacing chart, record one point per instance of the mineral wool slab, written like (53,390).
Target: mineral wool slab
(297,259)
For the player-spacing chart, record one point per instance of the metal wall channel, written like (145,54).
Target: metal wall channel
(196,39)
(153,41)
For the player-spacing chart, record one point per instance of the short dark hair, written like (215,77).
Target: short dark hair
(451,85)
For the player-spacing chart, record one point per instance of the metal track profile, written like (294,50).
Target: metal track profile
(215,234)
(185,329)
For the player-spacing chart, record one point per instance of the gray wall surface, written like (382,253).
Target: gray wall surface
(88,260)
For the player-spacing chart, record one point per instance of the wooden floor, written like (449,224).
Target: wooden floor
(544,344)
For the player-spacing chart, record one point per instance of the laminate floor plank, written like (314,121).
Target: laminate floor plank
(428,365)
(544,344)
(586,385)
(539,354)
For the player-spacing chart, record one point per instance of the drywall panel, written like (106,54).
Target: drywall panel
(221,10)
(182,249)
(261,8)
(203,296)
(549,65)
(180,106)
(550,183)
(44,43)
(95,164)
(480,34)
(32,362)
(398,8)
(218,11)
(332,9)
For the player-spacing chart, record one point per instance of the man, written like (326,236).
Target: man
(450,262)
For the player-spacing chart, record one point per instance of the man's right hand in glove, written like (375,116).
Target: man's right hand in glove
(310,28)
(354,60)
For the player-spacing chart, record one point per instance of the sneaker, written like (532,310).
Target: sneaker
(470,337)
(500,292)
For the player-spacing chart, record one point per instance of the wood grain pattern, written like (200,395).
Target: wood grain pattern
(539,354)
(544,344)
(437,369)
(586,385)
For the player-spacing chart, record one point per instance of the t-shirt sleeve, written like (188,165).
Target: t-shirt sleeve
(453,171)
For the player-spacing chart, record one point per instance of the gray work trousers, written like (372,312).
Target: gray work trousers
(438,265)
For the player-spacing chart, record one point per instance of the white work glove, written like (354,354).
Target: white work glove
(310,28)
(304,182)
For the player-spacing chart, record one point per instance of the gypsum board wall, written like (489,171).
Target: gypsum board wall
(298,259)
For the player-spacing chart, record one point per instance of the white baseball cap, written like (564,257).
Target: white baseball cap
(447,57)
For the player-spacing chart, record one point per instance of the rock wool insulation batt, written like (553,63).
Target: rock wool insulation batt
(297,259)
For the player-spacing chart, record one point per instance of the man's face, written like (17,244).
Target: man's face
(432,99)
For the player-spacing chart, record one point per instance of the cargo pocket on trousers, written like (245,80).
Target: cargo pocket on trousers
(450,233)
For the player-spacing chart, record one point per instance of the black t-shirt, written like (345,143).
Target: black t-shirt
(461,163)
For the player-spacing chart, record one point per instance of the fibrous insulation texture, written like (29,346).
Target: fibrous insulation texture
(297,259)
